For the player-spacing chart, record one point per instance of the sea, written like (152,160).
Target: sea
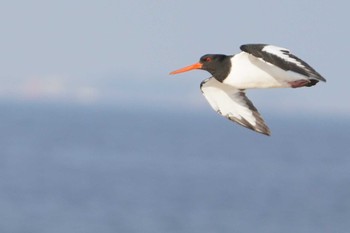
(113,169)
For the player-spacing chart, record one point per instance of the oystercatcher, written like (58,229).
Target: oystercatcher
(257,66)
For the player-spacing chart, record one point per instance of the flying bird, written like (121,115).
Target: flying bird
(257,66)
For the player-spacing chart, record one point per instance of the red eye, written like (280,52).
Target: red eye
(208,59)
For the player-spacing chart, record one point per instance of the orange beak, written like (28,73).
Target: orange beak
(188,68)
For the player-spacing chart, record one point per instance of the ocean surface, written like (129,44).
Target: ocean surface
(83,169)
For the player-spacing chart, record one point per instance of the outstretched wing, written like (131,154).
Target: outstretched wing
(282,58)
(233,104)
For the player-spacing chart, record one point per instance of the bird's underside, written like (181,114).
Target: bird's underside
(234,105)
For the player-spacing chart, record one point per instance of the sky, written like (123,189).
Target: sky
(121,52)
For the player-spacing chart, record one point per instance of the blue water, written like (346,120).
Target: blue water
(109,169)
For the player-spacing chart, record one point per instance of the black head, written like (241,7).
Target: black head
(218,65)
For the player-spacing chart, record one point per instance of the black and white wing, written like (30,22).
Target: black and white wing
(233,104)
(282,58)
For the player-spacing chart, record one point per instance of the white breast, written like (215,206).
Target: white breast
(248,71)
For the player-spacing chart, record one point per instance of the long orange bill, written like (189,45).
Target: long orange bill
(188,68)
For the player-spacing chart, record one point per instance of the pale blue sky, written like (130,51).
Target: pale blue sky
(120,52)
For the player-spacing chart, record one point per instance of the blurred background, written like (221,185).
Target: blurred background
(96,136)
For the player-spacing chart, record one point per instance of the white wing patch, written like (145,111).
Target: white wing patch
(282,53)
(281,58)
(233,104)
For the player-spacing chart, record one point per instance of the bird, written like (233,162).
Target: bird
(256,66)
